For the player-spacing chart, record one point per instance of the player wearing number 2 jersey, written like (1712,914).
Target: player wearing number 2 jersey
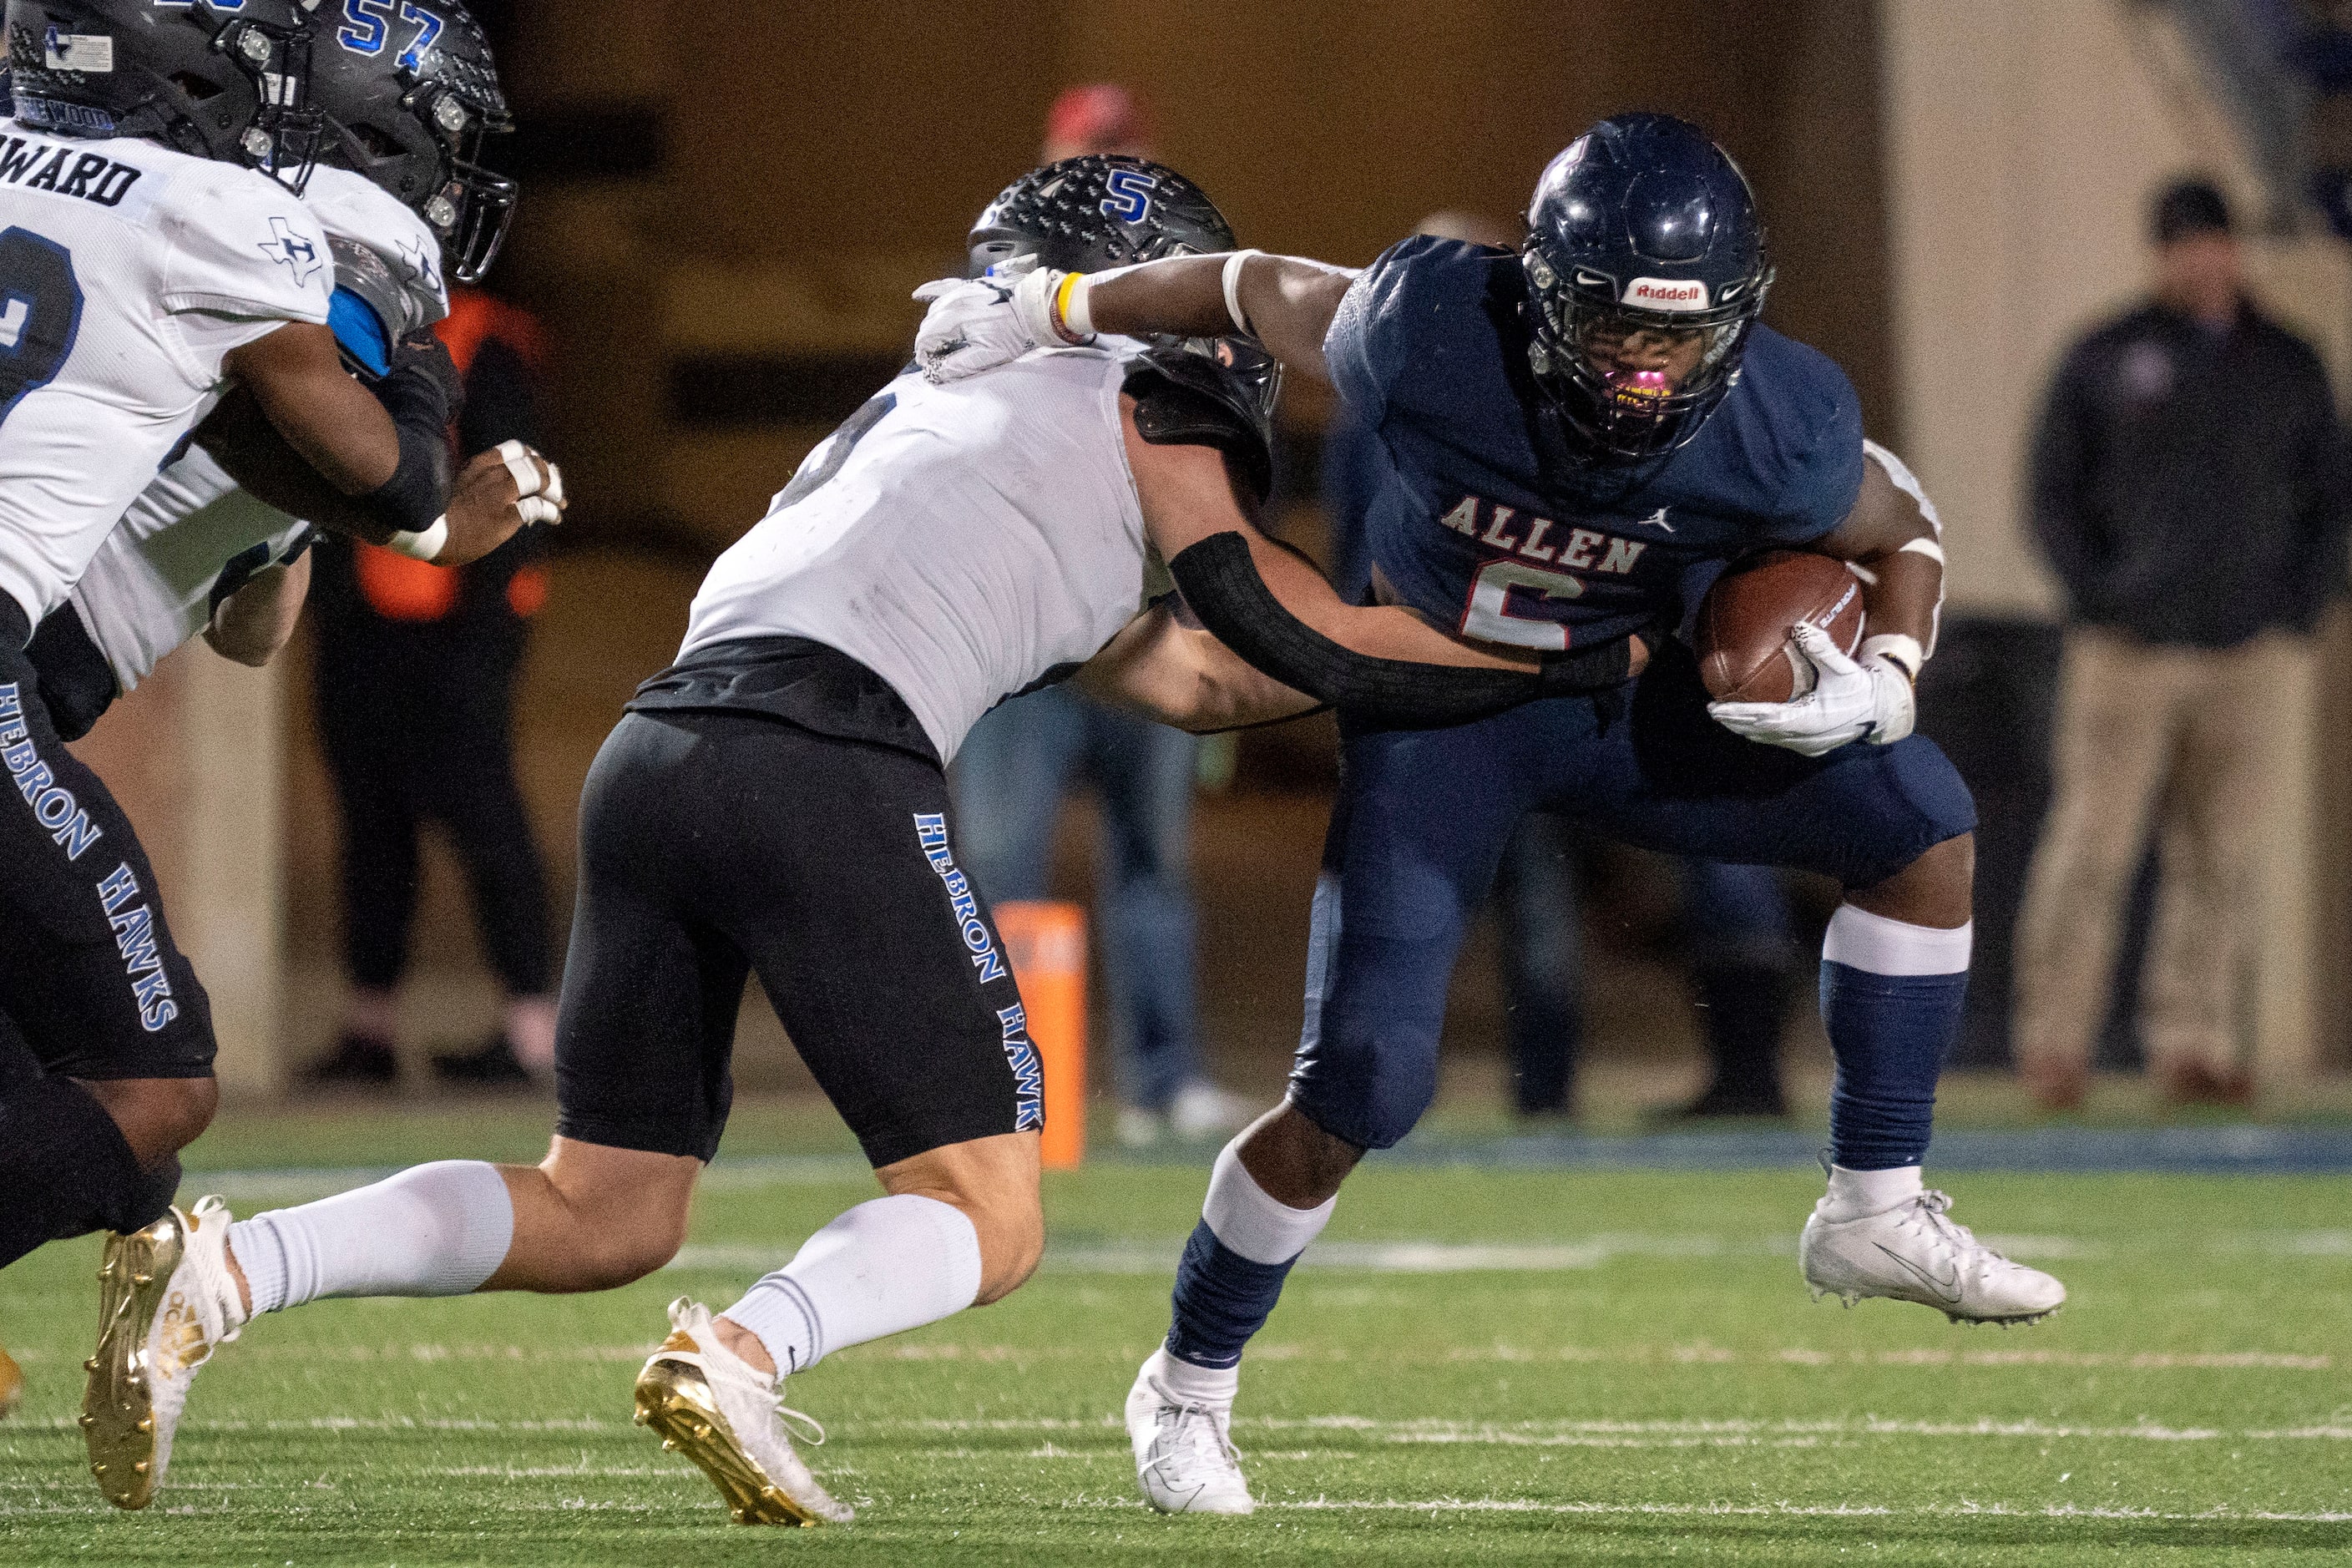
(1570,436)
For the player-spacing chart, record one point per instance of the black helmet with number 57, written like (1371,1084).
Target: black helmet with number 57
(1101,210)
(408,93)
(229,81)
(1642,228)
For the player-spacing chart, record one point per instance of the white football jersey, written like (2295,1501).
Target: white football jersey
(128,271)
(354,207)
(149,586)
(958,541)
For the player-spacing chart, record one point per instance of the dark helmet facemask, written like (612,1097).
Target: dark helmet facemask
(1630,413)
(475,207)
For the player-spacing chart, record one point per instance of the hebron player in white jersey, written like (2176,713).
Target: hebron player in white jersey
(198,554)
(158,265)
(775,801)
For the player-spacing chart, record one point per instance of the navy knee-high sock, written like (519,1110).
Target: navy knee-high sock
(1220,1300)
(1232,1272)
(1890,998)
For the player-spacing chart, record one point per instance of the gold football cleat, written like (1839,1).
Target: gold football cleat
(118,1412)
(674,1399)
(12,1383)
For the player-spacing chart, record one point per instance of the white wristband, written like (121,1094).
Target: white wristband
(1897,648)
(424,546)
(1926,547)
(1233,281)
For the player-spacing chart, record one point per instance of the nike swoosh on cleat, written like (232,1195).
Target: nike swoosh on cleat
(1946,1291)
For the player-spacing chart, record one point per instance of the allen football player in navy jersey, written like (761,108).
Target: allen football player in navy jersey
(1576,436)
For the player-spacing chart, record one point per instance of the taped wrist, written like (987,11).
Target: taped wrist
(1222,585)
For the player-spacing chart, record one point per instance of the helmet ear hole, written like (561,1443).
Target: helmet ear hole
(198,88)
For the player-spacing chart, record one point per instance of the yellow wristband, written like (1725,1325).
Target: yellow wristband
(1070,316)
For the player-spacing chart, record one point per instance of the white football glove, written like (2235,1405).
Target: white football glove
(1850,702)
(975,324)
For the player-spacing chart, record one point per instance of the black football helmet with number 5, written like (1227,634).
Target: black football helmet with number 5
(408,92)
(1101,210)
(227,81)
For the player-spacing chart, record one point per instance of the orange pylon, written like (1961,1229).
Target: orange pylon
(1047,942)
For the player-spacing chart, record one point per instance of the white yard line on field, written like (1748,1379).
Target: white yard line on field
(1701,1353)
(1518,1434)
(1804,1510)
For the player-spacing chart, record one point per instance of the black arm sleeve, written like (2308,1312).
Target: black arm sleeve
(418,393)
(1222,585)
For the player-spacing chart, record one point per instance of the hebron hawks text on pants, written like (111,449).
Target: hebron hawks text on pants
(70,827)
(932,832)
(54,806)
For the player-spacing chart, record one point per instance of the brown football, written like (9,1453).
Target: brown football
(1745,650)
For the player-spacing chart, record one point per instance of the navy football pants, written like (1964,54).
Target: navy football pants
(1423,816)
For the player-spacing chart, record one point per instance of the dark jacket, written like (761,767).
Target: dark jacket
(2188,486)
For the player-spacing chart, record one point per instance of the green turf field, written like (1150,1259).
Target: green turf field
(1490,1366)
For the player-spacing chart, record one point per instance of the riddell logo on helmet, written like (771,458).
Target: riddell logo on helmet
(1665,294)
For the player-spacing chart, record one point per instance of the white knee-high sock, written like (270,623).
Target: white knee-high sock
(885,1266)
(436,1231)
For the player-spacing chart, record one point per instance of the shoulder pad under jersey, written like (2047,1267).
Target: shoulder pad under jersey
(1182,398)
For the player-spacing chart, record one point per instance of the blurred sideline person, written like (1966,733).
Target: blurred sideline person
(1572,431)
(2188,487)
(414,689)
(1021,763)
(176,275)
(1735,920)
(775,801)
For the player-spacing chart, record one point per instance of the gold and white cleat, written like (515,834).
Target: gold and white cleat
(166,1302)
(12,1384)
(708,1404)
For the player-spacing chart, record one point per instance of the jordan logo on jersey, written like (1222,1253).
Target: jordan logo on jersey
(291,251)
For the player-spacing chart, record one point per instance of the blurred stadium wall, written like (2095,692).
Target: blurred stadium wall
(721,220)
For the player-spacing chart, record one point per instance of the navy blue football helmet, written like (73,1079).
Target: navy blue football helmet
(1101,210)
(1641,224)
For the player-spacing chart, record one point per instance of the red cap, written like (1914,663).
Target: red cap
(1099,117)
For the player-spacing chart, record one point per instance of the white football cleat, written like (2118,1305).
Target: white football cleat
(166,1302)
(1183,1454)
(728,1418)
(1913,1252)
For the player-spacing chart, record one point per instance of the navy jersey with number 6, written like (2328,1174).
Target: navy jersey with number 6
(1487,517)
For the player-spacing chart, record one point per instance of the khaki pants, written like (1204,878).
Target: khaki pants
(2190,738)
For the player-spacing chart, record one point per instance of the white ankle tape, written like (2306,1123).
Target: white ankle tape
(1252,1223)
(1876,945)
